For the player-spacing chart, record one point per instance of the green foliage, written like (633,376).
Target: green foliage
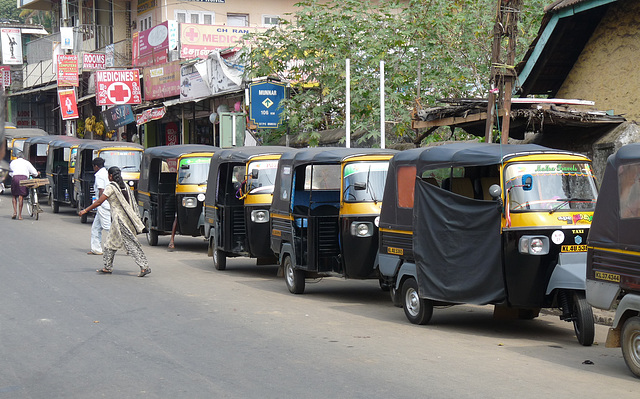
(9,10)
(432,49)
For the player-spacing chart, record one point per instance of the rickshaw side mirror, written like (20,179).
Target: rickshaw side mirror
(527,182)
(254,173)
(495,191)
(360,186)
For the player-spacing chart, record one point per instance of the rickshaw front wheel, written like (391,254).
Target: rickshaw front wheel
(219,259)
(582,316)
(152,235)
(293,277)
(418,310)
(631,344)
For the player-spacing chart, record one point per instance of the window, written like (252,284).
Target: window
(322,177)
(406,186)
(144,23)
(238,19)
(270,20)
(195,17)
(629,190)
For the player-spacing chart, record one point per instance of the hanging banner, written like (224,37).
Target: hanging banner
(118,86)
(94,61)
(118,116)
(68,70)
(192,86)
(66,38)
(5,76)
(135,48)
(110,51)
(68,103)
(11,41)
(265,104)
(151,114)
(162,81)
(171,131)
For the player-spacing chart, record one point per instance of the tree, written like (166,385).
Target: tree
(9,10)
(432,49)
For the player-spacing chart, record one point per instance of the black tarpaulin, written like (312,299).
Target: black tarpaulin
(456,242)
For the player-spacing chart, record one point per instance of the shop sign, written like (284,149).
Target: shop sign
(198,40)
(192,85)
(68,104)
(157,58)
(144,6)
(118,116)
(5,75)
(172,133)
(265,100)
(118,86)
(151,114)
(135,50)
(162,81)
(159,38)
(68,70)
(11,41)
(94,61)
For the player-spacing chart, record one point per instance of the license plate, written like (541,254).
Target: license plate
(574,248)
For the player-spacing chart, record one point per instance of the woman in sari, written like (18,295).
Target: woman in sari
(124,223)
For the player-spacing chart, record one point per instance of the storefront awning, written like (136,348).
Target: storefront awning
(34,90)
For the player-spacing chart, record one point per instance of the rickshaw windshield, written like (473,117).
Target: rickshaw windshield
(126,160)
(266,171)
(193,170)
(554,186)
(364,181)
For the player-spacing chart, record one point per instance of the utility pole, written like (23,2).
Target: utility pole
(503,74)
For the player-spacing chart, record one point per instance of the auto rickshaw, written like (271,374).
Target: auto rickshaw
(59,170)
(324,213)
(238,201)
(489,224)
(15,138)
(34,150)
(173,180)
(126,156)
(613,252)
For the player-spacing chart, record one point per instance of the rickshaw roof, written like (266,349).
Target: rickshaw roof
(244,154)
(329,155)
(46,139)
(174,151)
(99,144)
(468,154)
(24,132)
(64,141)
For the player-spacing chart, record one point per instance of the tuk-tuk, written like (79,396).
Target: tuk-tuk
(325,211)
(173,180)
(613,252)
(59,170)
(34,150)
(15,138)
(238,201)
(126,156)
(489,224)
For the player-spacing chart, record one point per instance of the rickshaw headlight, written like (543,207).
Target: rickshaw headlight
(260,216)
(362,229)
(534,245)
(189,202)
(132,183)
(201,197)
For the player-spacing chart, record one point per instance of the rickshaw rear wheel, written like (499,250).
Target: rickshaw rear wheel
(631,344)
(418,310)
(219,259)
(55,206)
(582,316)
(152,235)
(293,277)
(83,218)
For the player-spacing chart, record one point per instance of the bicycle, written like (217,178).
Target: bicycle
(33,206)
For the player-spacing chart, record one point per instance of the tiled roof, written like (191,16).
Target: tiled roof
(560,4)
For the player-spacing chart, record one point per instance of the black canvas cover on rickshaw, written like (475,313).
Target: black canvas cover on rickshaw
(608,228)
(456,244)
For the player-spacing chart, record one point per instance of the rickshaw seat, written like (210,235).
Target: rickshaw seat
(432,180)
(487,182)
(461,186)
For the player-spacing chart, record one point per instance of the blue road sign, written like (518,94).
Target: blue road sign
(265,104)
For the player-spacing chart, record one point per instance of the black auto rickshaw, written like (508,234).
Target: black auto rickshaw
(238,201)
(59,170)
(173,180)
(34,150)
(489,224)
(613,252)
(325,212)
(126,156)
(15,138)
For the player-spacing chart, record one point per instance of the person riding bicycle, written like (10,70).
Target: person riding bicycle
(20,169)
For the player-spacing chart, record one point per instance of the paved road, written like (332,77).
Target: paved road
(189,331)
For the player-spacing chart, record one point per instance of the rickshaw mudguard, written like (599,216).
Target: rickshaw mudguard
(388,264)
(406,269)
(287,249)
(602,294)
(628,302)
(569,273)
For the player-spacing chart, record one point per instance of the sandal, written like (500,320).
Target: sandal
(144,272)
(14,216)
(104,271)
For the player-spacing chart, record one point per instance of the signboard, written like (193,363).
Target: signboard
(94,61)
(11,41)
(118,86)
(160,37)
(150,115)
(68,70)
(172,133)
(144,6)
(265,104)
(110,50)
(68,104)
(162,81)
(118,116)
(157,58)
(66,38)
(135,48)
(192,85)
(5,75)
(198,40)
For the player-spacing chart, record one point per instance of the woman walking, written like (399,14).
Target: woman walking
(124,220)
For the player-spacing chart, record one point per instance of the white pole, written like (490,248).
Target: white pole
(233,129)
(382,130)
(348,104)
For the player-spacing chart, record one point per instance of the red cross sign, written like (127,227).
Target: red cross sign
(115,87)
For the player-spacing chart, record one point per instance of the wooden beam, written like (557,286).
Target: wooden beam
(452,120)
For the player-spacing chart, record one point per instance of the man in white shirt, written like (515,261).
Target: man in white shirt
(102,219)
(20,169)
